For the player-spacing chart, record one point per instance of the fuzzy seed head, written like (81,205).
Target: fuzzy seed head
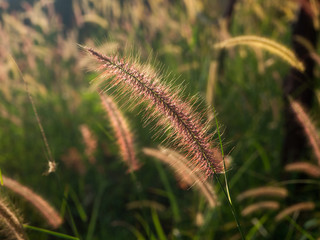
(122,132)
(173,114)
(90,142)
(264,192)
(303,206)
(52,217)
(308,127)
(191,178)
(10,223)
(270,205)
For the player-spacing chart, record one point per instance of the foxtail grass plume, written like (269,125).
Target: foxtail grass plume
(303,206)
(308,127)
(192,178)
(270,205)
(90,142)
(10,223)
(123,134)
(266,44)
(264,192)
(303,167)
(47,211)
(174,115)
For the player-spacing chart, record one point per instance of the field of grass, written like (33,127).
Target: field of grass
(129,120)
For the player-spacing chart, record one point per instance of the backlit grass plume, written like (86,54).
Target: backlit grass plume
(270,205)
(10,224)
(266,44)
(90,142)
(303,206)
(264,192)
(123,134)
(174,115)
(308,127)
(179,164)
(303,167)
(47,211)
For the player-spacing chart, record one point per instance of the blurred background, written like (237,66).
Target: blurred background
(247,87)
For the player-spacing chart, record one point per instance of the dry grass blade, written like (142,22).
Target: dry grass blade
(304,167)
(12,226)
(271,205)
(47,211)
(174,115)
(122,131)
(180,165)
(304,206)
(266,44)
(308,127)
(263,192)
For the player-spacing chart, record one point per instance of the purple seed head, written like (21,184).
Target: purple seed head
(173,114)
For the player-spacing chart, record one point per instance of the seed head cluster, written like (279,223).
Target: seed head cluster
(173,114)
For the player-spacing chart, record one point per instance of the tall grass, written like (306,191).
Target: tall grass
(88,183)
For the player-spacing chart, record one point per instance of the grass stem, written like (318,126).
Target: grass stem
(226,191)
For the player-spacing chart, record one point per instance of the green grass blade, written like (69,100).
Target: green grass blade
(95,212)
(57,234)
(300,229)
(226,192)
(104,130)
(263,155)
(146,227)
(65,209)
(132,229)
(172,199)
(256,227)
(78,204)
(157,225)
(242,170)
(64,201)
